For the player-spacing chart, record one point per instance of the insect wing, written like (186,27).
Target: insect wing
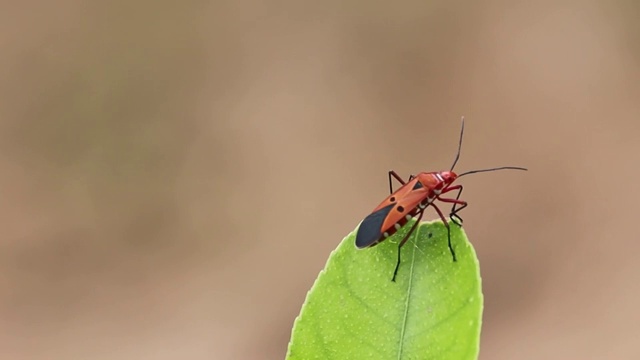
(369,232)
(388,213)
(405,206)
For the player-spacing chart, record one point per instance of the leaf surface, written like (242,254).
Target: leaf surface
(432,311)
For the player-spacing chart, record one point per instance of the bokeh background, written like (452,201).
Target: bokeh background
(173,175)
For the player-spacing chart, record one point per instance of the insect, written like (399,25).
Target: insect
(411,200)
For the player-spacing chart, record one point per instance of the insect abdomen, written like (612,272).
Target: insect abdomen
(398,225)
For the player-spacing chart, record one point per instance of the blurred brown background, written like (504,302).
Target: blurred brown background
(174,175)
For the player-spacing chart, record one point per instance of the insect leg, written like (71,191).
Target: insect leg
(454,212)
(446,224)
(397,177)
(406,237)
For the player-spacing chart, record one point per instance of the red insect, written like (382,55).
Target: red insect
(410,200)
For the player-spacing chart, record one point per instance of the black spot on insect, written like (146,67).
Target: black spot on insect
(400,208)
(392,199)
(417,186)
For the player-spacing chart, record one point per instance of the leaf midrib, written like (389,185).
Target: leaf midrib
(409,288)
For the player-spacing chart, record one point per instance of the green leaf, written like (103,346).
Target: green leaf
(433,310)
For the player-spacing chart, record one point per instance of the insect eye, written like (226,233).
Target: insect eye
(401,208)
(392,199)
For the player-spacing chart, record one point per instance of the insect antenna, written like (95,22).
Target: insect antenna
(493,169)
(459,146)
(455,161)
